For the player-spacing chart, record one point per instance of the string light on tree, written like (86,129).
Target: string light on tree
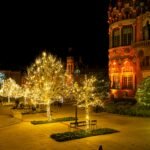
(85,95)
(10,89)
(45,79)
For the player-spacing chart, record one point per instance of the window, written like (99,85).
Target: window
(115,82)
(143,62)
(116,37)
(70,68)
(127,82)
(147,60)
(127,35)
(146,31)
(127,78)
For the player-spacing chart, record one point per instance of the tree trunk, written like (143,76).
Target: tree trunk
(87,117)
(49,115)
(8,99)
(25,100)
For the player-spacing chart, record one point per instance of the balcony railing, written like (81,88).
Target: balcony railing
(141,44)
(145,68)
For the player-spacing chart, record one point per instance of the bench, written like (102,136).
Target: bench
(79,124)
(83,123)
(93,123)
(72,124)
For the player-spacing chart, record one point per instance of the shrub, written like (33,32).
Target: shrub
(98,109)
(53,121)
(131,110)
(143,92)
(81,134)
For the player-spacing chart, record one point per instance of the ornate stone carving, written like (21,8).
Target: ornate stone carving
(126,50)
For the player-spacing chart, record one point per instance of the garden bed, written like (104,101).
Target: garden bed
(66,136)
(53,120)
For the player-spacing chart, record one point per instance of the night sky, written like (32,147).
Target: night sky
(27,29)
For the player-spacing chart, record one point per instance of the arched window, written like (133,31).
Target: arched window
(127,35)
(115,82)
(116,37)
(115,78)
(127,76)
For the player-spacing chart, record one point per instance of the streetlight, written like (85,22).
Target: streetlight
(76,78)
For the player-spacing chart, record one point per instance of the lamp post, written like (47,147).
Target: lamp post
(76,78)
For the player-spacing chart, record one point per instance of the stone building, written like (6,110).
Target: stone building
(129,45)
(77,70)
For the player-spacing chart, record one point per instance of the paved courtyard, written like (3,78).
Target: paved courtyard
(15,135)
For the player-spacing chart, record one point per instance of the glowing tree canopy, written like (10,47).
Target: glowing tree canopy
(85,95)
(10,89)
(45,79)
(26,92)
(143,92)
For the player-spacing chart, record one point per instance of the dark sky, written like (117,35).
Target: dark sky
(27,29)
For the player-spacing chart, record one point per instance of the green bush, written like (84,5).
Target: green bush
(53,121)
(98,109)
(125,101)
(143,92)
(130,110)
(81,134)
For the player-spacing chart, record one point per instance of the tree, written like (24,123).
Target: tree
(102,84)
(85,95)
(26,92)
(143,92)
(45,79)
(10,89)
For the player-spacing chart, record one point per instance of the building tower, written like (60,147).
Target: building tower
(129,45)
(70,69)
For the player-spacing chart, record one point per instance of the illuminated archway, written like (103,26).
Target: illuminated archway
(128,76)
(115,75)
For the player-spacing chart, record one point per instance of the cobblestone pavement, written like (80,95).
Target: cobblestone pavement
(134,133)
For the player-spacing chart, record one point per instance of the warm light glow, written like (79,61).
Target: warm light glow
(10,89)
(85,95)
(114,63)
(44,54)
(45,80)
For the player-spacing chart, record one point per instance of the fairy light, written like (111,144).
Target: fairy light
(10,89)
(85,95)
(45,80)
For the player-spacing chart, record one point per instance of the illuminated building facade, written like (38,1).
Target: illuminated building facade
(75,68)
(70,70)
(129,45)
